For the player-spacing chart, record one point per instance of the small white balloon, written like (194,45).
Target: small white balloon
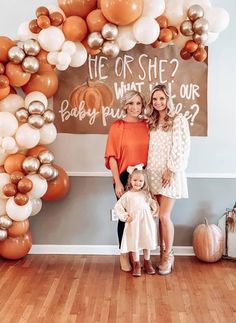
(60,67)
(146,30)
(36,96)
(80,56)
(125,38)
(24,33)
(218,19)
(211,38)
(48,134)
(52,58)
(36,206)
(18,212)
(69,47)
(39,186)
(51,38)
(63,58)
(8,124)
(153,8)
(27,137)
(11,103)
(8,143)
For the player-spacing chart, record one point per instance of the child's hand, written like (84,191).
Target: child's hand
(129,219)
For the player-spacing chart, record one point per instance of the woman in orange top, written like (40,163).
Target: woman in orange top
(127,145)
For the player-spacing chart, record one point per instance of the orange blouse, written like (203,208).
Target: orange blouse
(128,143)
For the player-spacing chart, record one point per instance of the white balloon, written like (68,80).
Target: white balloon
(48,134)
(4,179)
(146,30)
(211,38)
(80,56)
(61,67)
(203,3)
(153,8)
(8,143)
(36,206)
(51,38)
(8,124)
(3,156)
(24,33)
(52,58)
(69,47)
(174,12)
(2,206)
(36,96)
(125,38)
(18,212)
(218,19)
(12,103)
(63,58)
(40,186)
(27,137)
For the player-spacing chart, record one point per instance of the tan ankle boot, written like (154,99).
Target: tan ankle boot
(148,267)
(168,264)
(124,262)
(137,269)
(171,258)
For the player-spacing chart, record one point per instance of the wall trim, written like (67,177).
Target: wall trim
(47,249)
(189,175)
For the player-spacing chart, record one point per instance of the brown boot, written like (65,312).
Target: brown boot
(148,267)
(137,269)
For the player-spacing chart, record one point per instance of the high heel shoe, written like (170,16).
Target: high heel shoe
(167,264)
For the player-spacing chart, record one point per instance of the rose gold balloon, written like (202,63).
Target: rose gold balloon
(200,54)
(42,11)
(34,27)
(96,20)
(5,44)
(90,50)
(59,187)
(79,8)
(14,163)
(191,46)
(21,199)
(165,35)
(24,185)
(9,189)
(17,77)
(43,22)
(18,228)
(162,21)
(16,176)
(75,28)
(185,54)
(122,12)
(46,82)
(56,18)
(174,31)
(4,82)
(16,248)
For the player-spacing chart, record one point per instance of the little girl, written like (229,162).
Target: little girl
(137,209)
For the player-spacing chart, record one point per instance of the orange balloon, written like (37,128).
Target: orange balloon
(34,152)
(4,92)
(5,44)
(9,189)
(44,66)
(21,199)
(46,82)
(200,54)
(79,8)
(25,185)
(95,20)
(190,46)
(16,248)
(56,18)
(90,50)
(16,176)
(2,68)
(33,26)
(17,77)
(165,35)
(4,82)
(58,188)
(162,21)
(13,163)
(122,12)
(75,28)
(99,4)
(18,228)
(185,54)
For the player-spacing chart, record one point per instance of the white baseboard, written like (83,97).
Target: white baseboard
(96,250)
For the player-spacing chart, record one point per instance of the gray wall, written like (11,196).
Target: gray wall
(83,216)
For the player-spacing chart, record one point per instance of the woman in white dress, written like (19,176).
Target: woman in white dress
(169,148)
(137,209)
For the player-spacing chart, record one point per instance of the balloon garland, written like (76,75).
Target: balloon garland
(56,38)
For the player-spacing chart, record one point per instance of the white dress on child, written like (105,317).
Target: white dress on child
(169,150)
(141,233)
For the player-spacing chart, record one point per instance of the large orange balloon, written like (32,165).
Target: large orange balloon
(79,8)
(17,77)
(122,12)
(16,248)
(5,44)
(44,66)
(35,151)
(95,20)
(58,188)
(18,228)
(13,163)
(75,28)
(46,82)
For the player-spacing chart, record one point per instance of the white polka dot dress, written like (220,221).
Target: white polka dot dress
(169,150)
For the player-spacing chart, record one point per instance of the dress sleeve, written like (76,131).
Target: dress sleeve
(113,146)
(179,153)
(121,208)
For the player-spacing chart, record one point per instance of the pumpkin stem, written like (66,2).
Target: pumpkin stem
(206,221)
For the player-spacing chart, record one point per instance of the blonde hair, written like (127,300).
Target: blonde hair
(145,187)
(153,115)
(128,97)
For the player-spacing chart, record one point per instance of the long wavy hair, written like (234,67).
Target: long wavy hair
(127,98)
(153,115)
(145,187)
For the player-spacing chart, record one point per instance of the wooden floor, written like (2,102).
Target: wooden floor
(84,289)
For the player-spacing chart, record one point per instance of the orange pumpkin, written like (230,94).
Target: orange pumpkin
(208,242)
(94,94)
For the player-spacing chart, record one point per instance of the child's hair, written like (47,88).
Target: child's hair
(153,115)
(145,187)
